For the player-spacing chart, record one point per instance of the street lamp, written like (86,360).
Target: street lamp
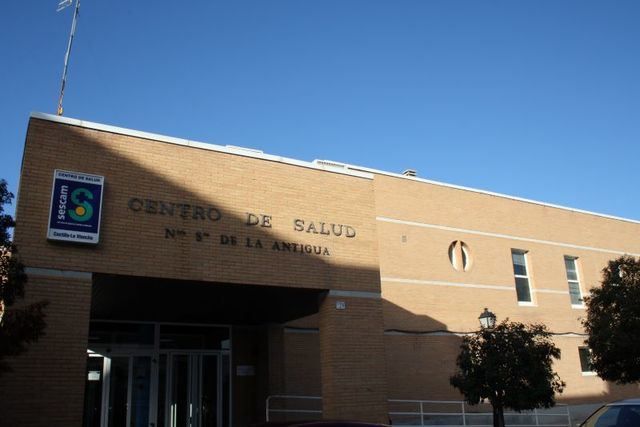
(487,319)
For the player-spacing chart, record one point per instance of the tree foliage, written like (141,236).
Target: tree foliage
(510,366)
(22,325)
(613,322)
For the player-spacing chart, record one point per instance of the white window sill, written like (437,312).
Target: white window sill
(578,306)
(526,304)
(589,374)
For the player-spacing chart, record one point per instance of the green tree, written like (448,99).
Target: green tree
(509,365)
(613,322)
(19,326)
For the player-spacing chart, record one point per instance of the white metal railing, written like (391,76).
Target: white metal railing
(296,410)
(422,414)
(425,413)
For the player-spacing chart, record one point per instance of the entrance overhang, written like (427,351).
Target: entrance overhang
(117,297)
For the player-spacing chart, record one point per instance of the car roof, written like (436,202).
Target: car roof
(634,401)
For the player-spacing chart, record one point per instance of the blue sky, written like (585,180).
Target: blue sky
(537,99)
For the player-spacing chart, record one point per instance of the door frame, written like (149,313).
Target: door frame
(108,352)
(106,383)
(194,373)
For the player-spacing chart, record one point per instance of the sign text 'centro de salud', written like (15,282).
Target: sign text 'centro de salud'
(208,214)
(76,204)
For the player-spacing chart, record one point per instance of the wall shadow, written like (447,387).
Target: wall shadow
(139,237)
(184,267)
(178,244)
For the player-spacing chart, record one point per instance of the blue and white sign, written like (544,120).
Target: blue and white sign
(76,204)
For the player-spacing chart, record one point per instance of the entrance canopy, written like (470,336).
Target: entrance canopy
(162,300)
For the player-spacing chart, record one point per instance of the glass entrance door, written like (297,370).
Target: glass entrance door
(190,390)
(118,391)
(157,375)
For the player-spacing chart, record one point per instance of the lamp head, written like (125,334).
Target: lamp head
(487,319)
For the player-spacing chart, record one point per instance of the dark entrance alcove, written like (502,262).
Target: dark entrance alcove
(116,297)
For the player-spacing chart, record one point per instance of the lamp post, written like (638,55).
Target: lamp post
(487,319)
(487,323)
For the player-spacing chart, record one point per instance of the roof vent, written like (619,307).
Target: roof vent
(245,149)
(409,172)
(330,164)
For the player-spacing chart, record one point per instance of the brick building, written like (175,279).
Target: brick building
(220,276)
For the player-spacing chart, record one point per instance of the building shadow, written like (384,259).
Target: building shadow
(196,236)
(187,235)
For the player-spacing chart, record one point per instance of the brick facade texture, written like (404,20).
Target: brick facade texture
(46,385)
(400,346)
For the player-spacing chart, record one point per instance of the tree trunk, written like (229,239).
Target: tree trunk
(498,416)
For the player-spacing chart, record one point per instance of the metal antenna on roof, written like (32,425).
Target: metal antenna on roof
(63,5)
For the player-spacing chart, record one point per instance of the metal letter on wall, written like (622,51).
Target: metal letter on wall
(76,205)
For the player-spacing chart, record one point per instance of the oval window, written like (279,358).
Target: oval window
(460,255)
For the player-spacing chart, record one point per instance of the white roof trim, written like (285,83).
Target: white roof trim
(239,151)
(324,165)
(489,193)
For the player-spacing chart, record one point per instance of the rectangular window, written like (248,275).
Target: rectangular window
(585,360)
(574,282)
(523,290)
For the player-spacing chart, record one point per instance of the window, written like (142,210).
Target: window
(523,290)
(574,283)
(460,255)
(585,360)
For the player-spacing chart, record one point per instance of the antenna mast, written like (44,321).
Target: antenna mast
(63,5)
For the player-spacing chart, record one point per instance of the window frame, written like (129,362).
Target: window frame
(524,253)
(576,281)
(585,373)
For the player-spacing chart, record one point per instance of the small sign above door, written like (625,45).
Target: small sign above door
(245,370)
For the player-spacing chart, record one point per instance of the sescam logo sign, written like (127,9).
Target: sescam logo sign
(76,202)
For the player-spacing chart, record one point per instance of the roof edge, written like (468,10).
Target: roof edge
(489,193)
(238,151)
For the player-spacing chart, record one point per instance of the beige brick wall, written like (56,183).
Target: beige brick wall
(46,387)
(435,204)
(302,363)
(419,366)
(423,293)
(402,254)
(352,360)
(134,243)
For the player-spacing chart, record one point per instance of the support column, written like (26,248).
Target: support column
(276,358)
(352,357)
(46,386)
